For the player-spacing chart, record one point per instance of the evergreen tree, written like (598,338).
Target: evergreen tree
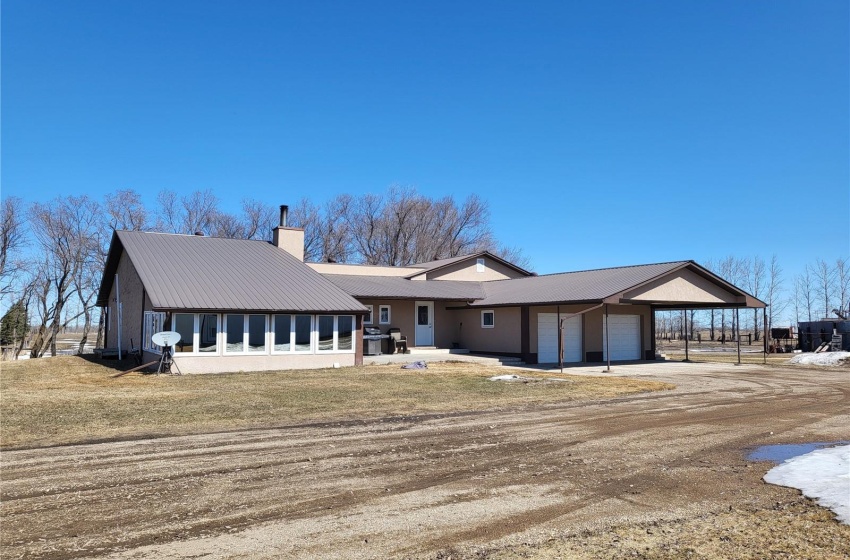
(14,325)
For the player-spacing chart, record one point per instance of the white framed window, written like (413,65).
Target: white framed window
(255,333)
(479,265)
(184,323)
(154,323)
(384,315)
(292,333)
(488,319)
(234,333)
(367,319)
(198,332)
(335,333)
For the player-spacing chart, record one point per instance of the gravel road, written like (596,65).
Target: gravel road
(459,485)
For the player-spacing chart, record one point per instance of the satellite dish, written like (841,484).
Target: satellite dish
(166,338)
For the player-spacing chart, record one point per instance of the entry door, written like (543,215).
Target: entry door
(424,323)
(547,338)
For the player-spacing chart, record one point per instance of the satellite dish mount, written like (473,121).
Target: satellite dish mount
(166,339)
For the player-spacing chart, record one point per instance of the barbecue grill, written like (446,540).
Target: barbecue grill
(372,339)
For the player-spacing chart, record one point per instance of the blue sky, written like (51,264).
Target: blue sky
(601,133)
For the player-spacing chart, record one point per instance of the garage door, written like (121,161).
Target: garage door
(547,338)
(624,337)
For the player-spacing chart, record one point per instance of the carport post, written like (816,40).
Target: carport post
(738,333)
(685,318)
(607,347)
(764,322)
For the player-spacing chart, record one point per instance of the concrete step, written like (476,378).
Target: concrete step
(435,350)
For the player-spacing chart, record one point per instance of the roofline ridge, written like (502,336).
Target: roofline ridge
(612,268)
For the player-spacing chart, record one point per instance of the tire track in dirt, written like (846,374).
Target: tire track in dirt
(282,476)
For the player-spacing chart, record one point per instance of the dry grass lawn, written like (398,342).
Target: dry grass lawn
(71,399)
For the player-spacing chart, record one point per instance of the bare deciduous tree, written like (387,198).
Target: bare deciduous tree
(804,294)
(775,303)
(305,215)
(754,276)
(67,232)
(126,211)
(824,278)
(192,213)
(842,284)
(12,239)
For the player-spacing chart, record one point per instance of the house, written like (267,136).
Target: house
(244,305)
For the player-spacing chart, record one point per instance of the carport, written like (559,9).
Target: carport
(607,315)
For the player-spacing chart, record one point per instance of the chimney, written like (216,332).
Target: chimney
(289,239)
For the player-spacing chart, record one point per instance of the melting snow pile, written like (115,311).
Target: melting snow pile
(823,475)
(822,359)
(506,378)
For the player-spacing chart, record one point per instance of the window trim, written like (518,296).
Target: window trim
(271,326)
(335,338)
(247,344)
(480,265)
(226,319)
(196,334)
(492,314)
(154,321)
(381,315)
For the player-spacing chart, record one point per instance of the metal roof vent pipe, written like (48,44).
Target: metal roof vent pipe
(199,233)
(288,238)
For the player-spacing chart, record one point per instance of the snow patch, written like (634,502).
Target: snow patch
(822,359)
(506,378)
(823,475)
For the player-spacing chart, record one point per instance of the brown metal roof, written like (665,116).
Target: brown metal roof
(210,273)
(588,285)
(397,287)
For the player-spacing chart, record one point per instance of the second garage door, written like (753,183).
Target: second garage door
(547,338)
(624,337)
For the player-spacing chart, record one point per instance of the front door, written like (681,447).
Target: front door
(424,323)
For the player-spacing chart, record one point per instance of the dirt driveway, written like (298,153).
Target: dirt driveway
(463,485)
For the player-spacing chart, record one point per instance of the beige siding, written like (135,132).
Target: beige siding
(446,325)
(504,337)
(682,286)
(466,271)
(401,316)
(362,269)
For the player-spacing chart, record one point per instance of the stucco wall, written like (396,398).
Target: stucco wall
(682,286)
(401,316)
(362,269)
(226,364)
(504,337)
(467,271)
